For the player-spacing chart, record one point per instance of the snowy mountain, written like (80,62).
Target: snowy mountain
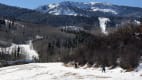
(89,9)
(60,11)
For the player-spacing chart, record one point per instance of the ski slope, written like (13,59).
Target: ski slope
(103,22)
(25,49)
(57,71)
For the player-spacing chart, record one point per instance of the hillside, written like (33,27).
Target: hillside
(104,35)
(88,19)
(90,9)
(57,71)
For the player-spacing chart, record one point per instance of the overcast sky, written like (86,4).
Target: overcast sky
(35,3)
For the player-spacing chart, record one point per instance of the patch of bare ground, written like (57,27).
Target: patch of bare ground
(74,75)
(70,64)
(70,74)
(103,77)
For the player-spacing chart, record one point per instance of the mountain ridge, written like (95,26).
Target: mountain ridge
(86,18)
(89,9)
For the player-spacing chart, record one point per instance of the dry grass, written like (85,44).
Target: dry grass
(70,64)
(103,77)
(130,69)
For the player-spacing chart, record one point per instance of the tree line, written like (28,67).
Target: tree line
(120,48)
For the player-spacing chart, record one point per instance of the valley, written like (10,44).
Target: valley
(71,41)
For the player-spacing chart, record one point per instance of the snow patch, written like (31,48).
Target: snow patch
(137,22)
(62,11)
(72,28)
(103,22)
(104,10)
(8,22)
(93,3)
(38,37)
(139,68)
(25,49)
(51,6)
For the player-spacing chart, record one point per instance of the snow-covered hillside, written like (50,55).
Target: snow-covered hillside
(24,49)
(56,71)
(103,22)
(89,9)
(76,8)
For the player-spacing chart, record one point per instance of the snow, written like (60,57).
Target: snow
(70,12)
(51,6)
(7,22)
(139,68)
(54,12)
(103,21)
(68,8)
(29,51)
(57,71)
(38,37)
(60,11)
(93,3)
(72,28)
(25,49)
(104,10)
(137,22)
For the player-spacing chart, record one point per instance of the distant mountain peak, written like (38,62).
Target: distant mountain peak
(89,9)
(75,8)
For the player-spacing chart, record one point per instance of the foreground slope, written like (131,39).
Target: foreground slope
(56,71)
